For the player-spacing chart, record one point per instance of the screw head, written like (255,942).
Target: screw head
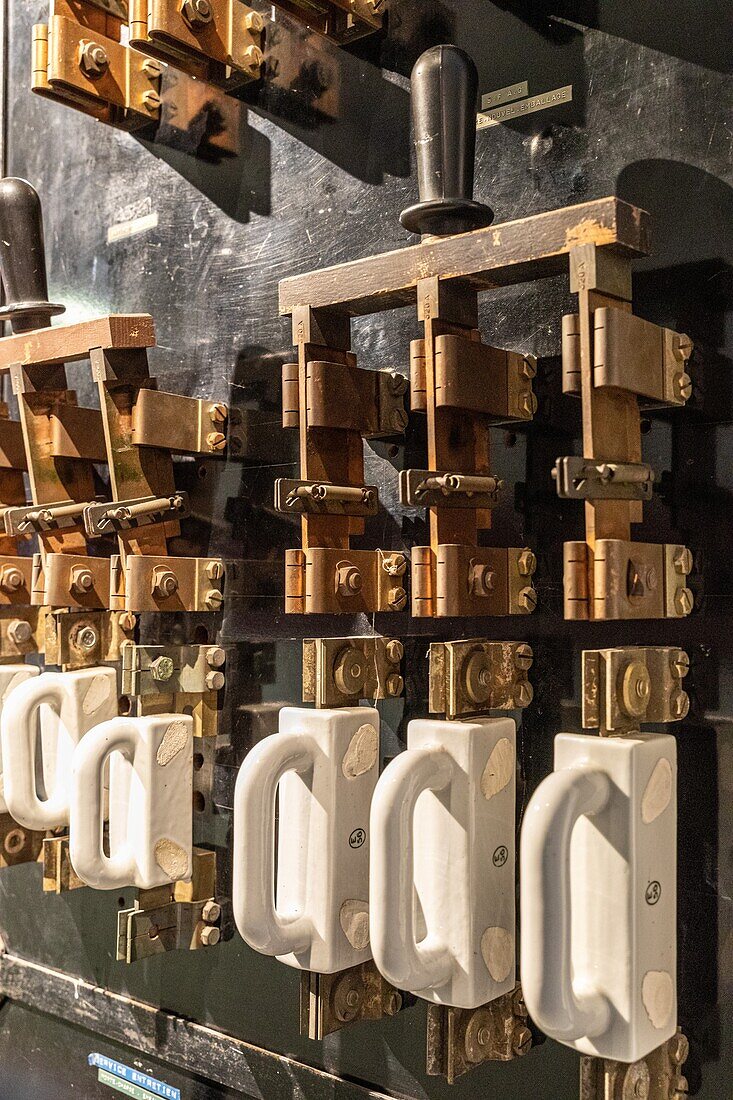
(528,403)
(85,638)
(19,631)
(680,664)
(394,651)
(215,441)
(214,680)
(217,412)
(521,1040)
(680,704)
(683,385)
(254,22)
(393,1003)
(346,999)
(214,599)
(523,657)
(127,621)
(526,563)
(11,578)
(162,668)
(93,59)
(527,599)
(210,935)
(151,100)
(397,599)
(684,601)
(679,1048)
(683,561)
(348,672)
(395,565)
(395,685)
(215,657)
(215,570)
(523,694)
(253,57)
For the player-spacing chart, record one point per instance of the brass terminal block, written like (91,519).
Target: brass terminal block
(339,672)
(627,580)
(324,581)
(632,686)
(659,1076)
(472,580)
(328,1002)
(459,1039)
(470,677)
(83,639)
(342,21)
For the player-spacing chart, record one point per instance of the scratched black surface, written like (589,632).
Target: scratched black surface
(650,119)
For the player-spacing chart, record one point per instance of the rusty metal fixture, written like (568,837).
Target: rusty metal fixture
(11,578)
(162,668)
(81,580)
(197,13)
(393,1003)
(254,21)
(253,57)
(164,582)
(349,581)
(346,998)
(93,59)
(19,631)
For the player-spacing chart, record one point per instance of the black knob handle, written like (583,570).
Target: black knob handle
(23,258)
(444,96)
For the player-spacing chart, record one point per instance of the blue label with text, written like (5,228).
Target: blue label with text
(135,1076)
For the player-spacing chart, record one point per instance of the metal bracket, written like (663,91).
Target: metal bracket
(123,515)
(459,1039)
(657,1077)
(624,688)
(463,581)
(17,844)
(431,489)
(172,670)
(185,916)
(79,60)
(72,581)
(629,354)
(295,497)
(218,41)
(328,1002)
(342,21)
(331,581)
(153,583)
(627,580)
(475,377)
(21,632)
(470,677)
(58,874)
(30,518)
(83,639)
(179,424)
(16,580)
(589,479)
(339,672)
(346,397)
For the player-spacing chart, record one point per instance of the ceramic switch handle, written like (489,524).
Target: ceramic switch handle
(11,677)
(150,803)
(255,913)
(23,258)
(404,961)
(558,804)
(79,700)
(444,99)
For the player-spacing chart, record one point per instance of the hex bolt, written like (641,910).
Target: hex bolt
(394,651)
(395,684)
(480,578)
(19,631)
(81,580)
(253,57)
(215,441)
(254,22)
(521,1040)
(680,704)
(164,582)
(523,694)
(214,599)
(526,563)
(683,385)
(215,657)
(93,59)
(397,599)
(86,639)
(11,578)
(211,912)
(151,100)
(162,668)
(210,935)
(395,565)
(215,570)
(349,580)
(683,561)
(127,621)
(393,1003)
(523,657)
(527,599)
(680,664)
(197,13)
(217,412)
(684,601)
(214,680)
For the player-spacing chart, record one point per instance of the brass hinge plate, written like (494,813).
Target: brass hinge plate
(626,580)
(460,581)
(172,670)
(328,581)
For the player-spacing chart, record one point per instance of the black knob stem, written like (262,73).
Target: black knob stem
(23,258)
(444,98)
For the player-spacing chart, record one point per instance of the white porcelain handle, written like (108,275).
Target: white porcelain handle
(253,899)
(19,728)
(555,1004)
(403,961)
(86,849)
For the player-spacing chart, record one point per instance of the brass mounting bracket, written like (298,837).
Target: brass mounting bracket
(338,672)
(473,676)
(22,631)
(590,479)
(625,688)
(83,639)
(16,580)
(79,59)
(328,1002)
(217,41)
(472,580)
(162,583)
(327,581)
(657,1077)
(59,875)
(17,844)
(626,580)
(185,916)
(342,21)
(172,670)
(460,1039)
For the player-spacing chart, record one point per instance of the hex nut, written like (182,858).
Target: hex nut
(11,578)
(210,935)
(211,912)
(349,581)
(164,582)
(197,13)
(214,680)
(81,580)
(19,631)
(162,668)
(480,578)
(253,57)
(93,59)
(85,638)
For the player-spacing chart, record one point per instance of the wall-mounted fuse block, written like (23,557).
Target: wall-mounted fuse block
(335,405)
(618,363)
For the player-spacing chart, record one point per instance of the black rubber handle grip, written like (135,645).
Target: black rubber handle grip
(444,98)
(23,258)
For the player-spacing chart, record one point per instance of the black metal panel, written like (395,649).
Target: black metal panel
(313,186)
